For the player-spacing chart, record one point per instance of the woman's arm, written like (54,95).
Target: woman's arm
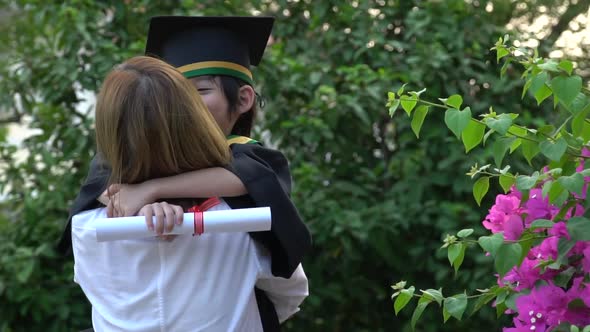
(210,182)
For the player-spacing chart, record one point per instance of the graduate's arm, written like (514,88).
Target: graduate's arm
(265,173)
(286,294)
(209,182)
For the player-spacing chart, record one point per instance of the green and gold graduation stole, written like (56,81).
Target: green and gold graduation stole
(237,139)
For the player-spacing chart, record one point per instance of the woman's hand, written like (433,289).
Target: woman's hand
(126,199)
(167,215)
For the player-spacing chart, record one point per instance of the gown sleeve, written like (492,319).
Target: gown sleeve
(95,184)
(266,176)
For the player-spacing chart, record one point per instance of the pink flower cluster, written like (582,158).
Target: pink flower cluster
(548,306)
(543,305)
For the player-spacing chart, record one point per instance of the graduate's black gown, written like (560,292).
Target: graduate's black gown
(266,176)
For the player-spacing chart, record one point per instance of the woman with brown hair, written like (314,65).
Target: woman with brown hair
(150,122)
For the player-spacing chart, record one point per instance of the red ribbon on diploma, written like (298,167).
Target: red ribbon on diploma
(198,212)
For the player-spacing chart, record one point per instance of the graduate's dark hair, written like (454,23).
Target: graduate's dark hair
(151,123)
(231,88)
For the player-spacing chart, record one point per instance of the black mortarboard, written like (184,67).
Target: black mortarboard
(201,45)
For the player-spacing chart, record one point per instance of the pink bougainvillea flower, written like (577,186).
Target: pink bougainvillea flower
(505,207)
(538,207)
(586,260)
(513,228)
(578,314)
(548,305)
(526,275)
(520,327)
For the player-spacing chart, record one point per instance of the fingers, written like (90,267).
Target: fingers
(148,212)
(178,213)
(166,216)
(110,209)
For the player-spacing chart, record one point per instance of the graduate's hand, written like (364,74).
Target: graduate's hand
(126,199)
(167,215)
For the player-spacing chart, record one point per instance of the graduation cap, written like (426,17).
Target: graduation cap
(205,45)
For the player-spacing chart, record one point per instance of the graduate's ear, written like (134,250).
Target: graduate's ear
(246,99)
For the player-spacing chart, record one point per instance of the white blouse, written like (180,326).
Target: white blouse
(200,283)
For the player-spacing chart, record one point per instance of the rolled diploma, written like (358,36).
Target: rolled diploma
(238,220)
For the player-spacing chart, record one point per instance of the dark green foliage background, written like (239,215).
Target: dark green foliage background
(377,200)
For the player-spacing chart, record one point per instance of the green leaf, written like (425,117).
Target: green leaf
(546,188)
(573,183)
(553,150)
(579,103)
(501,52)
(480,188)
(507,257)
(549,65)
(501,295)
(566,88)
(403,299)
(418,119)
(446,315)
(465,232)
(564,277)
(454,101)
(529,149)
(481,301)
(506,182)
(579,228)
(526,87)
(546,130)
(456,305)
(557,194)
(576,303)
(563,248)
(501,310)
(491,243)
(422,304)
(543,93)
(400,91)
(567,66)
(524,182)
(500,147)
(538,81)
(578,122)
(586,132)
(541,223)
(472,135)
(499,124)
(517,142)
(511,301)
(433,294)
(454,251)
(408,103)
(393,107)
(457,120)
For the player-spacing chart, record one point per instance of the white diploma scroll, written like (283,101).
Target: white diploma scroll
(238,220)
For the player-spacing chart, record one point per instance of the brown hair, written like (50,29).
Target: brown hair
(151,122)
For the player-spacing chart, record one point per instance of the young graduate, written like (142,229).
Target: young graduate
(215,53)
(150,122)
